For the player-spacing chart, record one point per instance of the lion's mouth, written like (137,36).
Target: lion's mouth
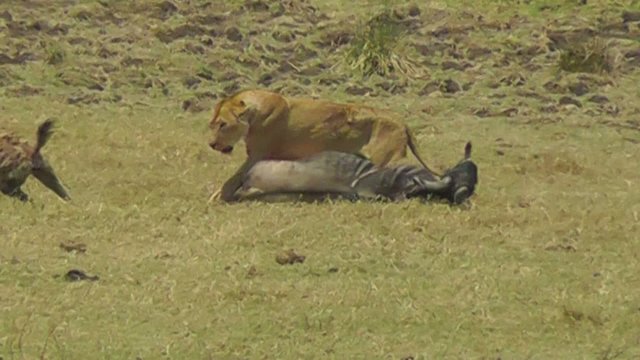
(226,149)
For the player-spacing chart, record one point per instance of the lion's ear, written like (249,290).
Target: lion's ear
(247,114)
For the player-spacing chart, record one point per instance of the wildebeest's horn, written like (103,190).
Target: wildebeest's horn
(437,185)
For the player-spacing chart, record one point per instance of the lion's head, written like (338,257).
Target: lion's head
(229,124)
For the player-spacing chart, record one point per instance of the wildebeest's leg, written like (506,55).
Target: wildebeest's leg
(229,188)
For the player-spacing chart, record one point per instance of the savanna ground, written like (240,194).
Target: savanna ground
(543,265)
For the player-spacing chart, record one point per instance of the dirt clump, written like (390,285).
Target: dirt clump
(165,10)
(283,36)
(191,82)
(580,88)
(233,34)
(289,257)
(202,101)
(358,90)
(453,65)
(450,86)
(19,59)
(24,90)
(6,16)
(256,5)
(554,87)
(599,99)
(105,53)
(182,31)
(334,40)
(474,52)
(313,70)
(266,79)
(73,247)
(567,100)
(129,61)
(393,87)
(513,80)
(92,98)
(630,16)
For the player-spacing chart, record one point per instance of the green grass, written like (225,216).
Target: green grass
(543,265)
(591,56)
(374,49)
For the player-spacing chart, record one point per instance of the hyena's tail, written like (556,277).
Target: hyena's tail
(41,170)
(45,130)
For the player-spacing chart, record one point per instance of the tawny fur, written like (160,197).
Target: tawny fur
(280,128)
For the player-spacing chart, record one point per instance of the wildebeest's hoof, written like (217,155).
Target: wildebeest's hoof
(464,178)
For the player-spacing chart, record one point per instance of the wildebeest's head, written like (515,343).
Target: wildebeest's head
(456,185)
(464,177)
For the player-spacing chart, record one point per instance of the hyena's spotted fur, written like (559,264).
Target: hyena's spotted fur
(19,160)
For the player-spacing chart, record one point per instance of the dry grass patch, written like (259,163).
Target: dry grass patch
(593,55)
(377,48)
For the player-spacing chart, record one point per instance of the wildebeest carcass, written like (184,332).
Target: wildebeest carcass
(18,160)
(335,174)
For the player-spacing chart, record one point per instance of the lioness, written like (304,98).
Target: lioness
(278,128)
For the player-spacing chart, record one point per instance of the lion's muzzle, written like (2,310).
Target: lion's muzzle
(223,149)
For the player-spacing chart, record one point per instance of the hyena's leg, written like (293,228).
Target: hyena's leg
(16,192)
(11,186)
(20,195)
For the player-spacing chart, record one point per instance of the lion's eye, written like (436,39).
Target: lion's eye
(222,124)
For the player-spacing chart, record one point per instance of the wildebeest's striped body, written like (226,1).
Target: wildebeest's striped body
(356,177)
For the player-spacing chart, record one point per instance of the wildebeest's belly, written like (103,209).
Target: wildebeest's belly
(295,176)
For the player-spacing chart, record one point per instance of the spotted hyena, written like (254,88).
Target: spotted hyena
(18,160)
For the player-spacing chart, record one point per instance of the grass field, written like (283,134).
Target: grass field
(544,264)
